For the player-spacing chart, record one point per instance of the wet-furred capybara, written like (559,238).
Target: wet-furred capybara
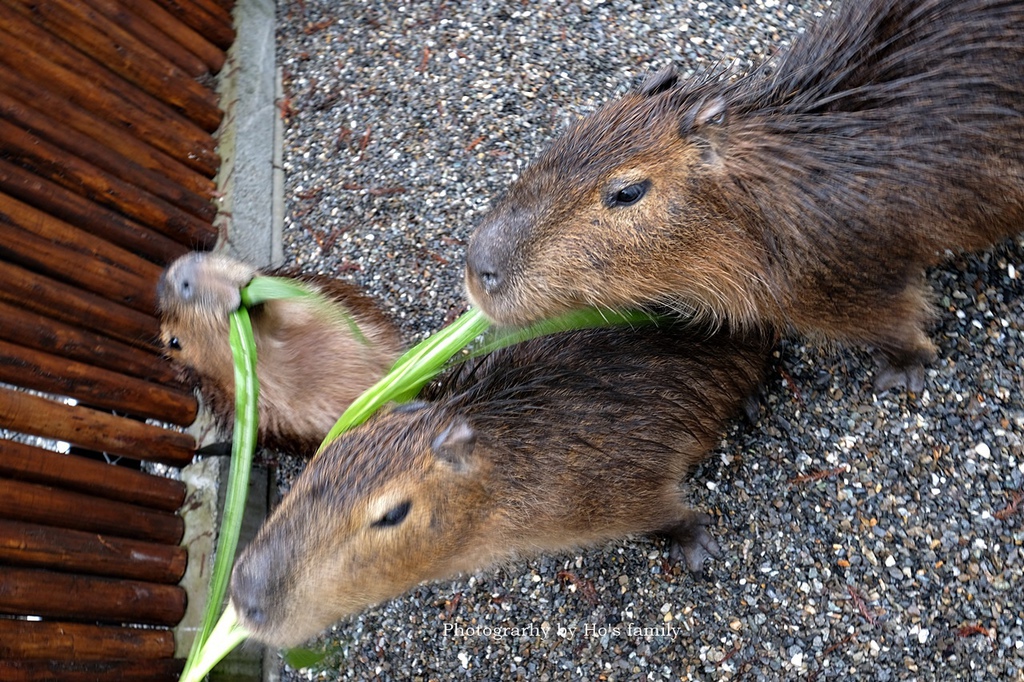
(809,194)
(555,443)
(309,362)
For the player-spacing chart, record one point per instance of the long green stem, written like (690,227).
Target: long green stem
(243,347)
(408,375)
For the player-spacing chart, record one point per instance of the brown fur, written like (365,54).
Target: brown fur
(559,442)
(809,194)
(309,366)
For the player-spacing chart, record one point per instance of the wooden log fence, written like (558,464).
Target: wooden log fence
(124,17)
(33,592)
(33,52)
(38,95)
(23,639)
(137,670)
(22,462)
(92,33)
(87,215)
(67,341)
(93,429)
(93,386)
(40,124)
(40,546)
(68,303)
(37,240)
(52,163)
(182,33)
(107,166)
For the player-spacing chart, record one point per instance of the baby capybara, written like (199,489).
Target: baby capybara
(809,194)
(309,362)
(559,442)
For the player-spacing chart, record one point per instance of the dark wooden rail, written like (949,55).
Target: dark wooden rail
(22,462)
(107,167)
(93,429)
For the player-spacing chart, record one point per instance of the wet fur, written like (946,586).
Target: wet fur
(556,443)
(809,194)
(309,366)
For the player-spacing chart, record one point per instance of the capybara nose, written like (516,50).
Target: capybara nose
(179,280)
(483,271)
(248,590)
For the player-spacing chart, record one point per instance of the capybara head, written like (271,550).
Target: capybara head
(383,508)
(313,356)
(197,293)
(558,442)
(609,213)
(808,194)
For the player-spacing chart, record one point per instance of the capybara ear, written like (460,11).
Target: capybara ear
(702,115)
(710,112)
(455,445)
(659,82)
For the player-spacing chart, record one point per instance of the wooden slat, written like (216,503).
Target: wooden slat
(54,164)
(122,53)
(93,386)
(33,52)
(180,32)
(206,18)
(91,217)
(122,15)
(66,303)
(40,640)
(92,429)
(58,133)
(35,546)
(42,333)
(157,670)
(28,463)
(43,505)
(35,93)
(37,240)
(77,597)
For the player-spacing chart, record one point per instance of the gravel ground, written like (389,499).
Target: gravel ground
(865,537)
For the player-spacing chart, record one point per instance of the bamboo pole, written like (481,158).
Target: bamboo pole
(50,336)
(51,162)
(206,18)
(156,670)
(61,595)
(33,52)
(99,388)
(99,154)
(122,15)
(42,505)
(47,640)
(122,53)
(91,217)
(180,32)
(66,303)
(60,108)
(92,429)
(34,465)
(35,546)
(52,247)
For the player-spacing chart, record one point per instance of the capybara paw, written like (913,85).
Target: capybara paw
(692,543)
(890,376)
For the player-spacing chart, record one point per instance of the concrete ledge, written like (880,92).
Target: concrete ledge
(250,177)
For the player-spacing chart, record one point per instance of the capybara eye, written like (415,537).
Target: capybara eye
(629,195)
(174,344)
(395,516)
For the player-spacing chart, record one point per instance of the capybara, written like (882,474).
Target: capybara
(309,363)
(559,442)
(809,194)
